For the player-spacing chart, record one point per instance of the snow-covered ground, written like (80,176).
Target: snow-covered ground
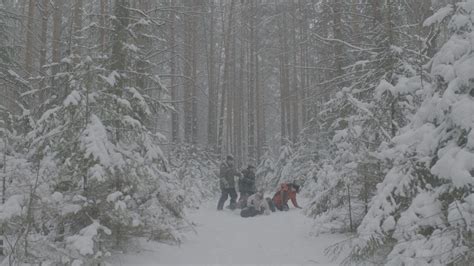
(226,238)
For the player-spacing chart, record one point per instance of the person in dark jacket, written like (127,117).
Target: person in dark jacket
(246,185)
(227,183)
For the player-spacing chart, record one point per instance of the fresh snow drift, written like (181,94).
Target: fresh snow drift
(226,238)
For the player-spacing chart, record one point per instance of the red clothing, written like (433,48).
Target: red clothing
(284,194)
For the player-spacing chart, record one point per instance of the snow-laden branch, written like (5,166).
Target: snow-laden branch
(368,50)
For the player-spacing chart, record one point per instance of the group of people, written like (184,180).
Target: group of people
(252,201)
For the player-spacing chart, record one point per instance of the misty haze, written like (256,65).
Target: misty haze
(230,132)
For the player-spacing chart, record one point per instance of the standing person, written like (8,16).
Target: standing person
(227,183)
(287,191)
(246,185)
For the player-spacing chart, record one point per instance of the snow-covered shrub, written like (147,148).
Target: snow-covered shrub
(340,183)
(88,192)
(421,212)
(294,164)
(91,175)
(352,125)
(265,170)
(197,170)
(302,163)
(281,169)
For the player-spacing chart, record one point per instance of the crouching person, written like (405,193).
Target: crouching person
(287,191)
(256,205)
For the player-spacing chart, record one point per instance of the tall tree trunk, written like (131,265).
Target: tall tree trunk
(194,42)
(252,138)
(225,83)
(350,208)
(56,43)
(236,114)
(245,80)
(119,38)
(390,34)
(230,96)
(390,65)
(43,49)
(303,60)
(213,93)
(173,86)
(77,19)
(286,74)
(30,28)
(295,92)
(4,166)
(220,77)
(144,44)
(376,12)
(188,72)
(102,20)
(286,131)
(259,89)
(241,88)
(283,131)
(337,30)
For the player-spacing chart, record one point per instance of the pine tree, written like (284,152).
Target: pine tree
(281,168)
(265,170)
(94,171)
(421,208)
(197,170)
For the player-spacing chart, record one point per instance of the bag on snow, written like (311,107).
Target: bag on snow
(249,212)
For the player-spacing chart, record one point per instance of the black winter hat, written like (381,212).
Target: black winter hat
(230,157)
(296,187)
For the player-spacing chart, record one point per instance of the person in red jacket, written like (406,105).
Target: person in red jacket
(287,191)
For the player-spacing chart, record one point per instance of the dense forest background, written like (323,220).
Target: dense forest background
(114,116)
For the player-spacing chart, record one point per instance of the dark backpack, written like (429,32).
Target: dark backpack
(249,212)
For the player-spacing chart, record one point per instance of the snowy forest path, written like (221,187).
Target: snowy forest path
(226,238)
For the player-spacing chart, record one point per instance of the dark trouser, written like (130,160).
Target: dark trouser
(225,194)
(283,207)
(249,212)
(242,202)
(270,204)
